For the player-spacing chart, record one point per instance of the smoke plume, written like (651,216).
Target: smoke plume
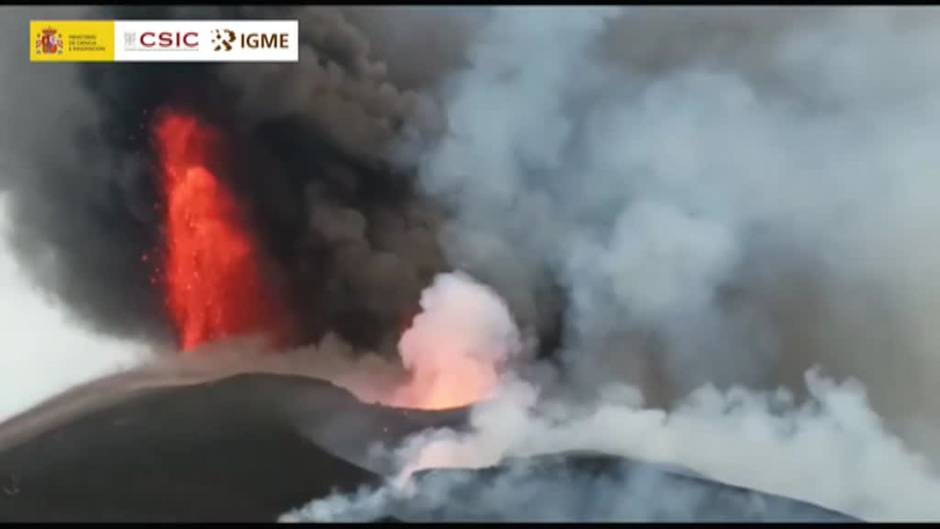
(318,152)
(724,195)
(669,215)
(732,207)
(458,348)
(830,450)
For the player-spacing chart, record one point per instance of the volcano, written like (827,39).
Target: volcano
(214,451)
(250,447)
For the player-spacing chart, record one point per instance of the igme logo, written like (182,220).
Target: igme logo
(222,39)
(260,41)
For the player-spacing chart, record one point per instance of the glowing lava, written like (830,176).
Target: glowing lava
(456,349)
(211,270)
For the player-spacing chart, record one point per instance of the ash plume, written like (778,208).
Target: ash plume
(321,170)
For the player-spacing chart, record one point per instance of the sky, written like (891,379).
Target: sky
(44,350)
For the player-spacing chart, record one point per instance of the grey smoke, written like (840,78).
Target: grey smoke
(727,195)
(831,451)
(550,490)
(728,198)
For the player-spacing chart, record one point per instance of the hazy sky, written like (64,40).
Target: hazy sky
(44,351)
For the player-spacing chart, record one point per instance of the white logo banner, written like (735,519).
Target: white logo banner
(206,40)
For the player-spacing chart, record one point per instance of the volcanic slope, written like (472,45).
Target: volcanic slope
(592,487)
(250,447)
(223,450)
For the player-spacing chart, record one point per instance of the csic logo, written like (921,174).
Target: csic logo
(162,40)
(48,43)
(222,39)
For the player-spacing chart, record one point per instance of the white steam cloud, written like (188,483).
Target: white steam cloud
(733,204)
(831,450)
(458,347)
(725,208)
(457,351)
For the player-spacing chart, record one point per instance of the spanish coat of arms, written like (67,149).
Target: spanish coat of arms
(48,42)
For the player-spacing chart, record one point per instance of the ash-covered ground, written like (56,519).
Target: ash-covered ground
(159,447)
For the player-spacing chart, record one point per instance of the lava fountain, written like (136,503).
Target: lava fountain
(211,270)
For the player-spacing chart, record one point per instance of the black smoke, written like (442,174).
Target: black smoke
(314,153)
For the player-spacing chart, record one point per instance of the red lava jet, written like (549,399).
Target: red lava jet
(211,269)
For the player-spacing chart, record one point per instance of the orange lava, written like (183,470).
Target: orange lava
(211,268)
(462,384)
(451,392)
(445,366)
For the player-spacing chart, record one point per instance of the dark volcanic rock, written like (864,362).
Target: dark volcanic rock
(585,487)
(254,446)
(227,450)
